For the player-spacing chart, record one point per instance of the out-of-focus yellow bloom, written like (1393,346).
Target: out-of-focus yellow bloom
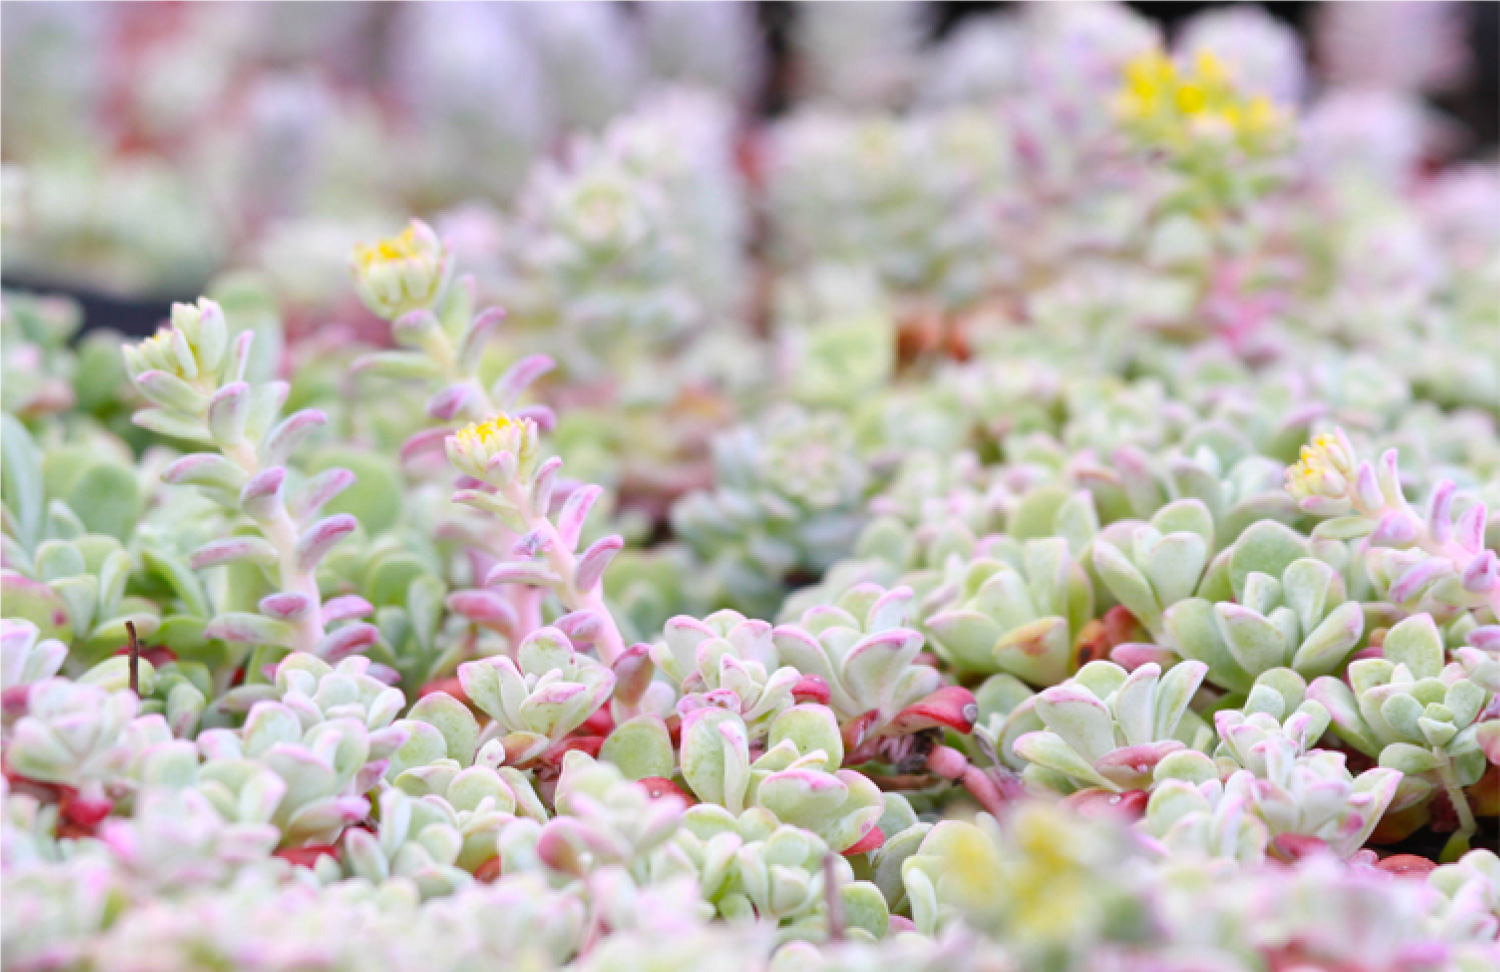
(402,273)
(1050,883)
(1171,106)
(1043,881)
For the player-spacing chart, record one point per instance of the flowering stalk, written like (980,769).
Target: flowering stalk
(405,280)
(499,460)
(195,380)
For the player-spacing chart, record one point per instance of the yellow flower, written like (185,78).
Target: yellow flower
(471,449)
(1210,68)
(402,273)
(1050,887)
(1324,474)
(1170,106)
(1261,117)
(481,434)
(958,866)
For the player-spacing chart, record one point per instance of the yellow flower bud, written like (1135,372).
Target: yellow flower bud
(470,449)
(1324,473)
(192,347)
(402,273)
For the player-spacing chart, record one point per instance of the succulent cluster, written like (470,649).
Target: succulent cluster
(940,538)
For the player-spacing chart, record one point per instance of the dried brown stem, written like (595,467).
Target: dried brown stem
(135,658)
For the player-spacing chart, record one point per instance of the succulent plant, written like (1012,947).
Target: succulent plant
(27,660)
(417,839)
(194,377)
(754,867)
(1414,714)
(786,498)
(1164,564)
(860,650)
(74,734)
(1301,622)
(1021,614)
(734,667)
(542,696)
(924,530)
(1109,729)
(797,778)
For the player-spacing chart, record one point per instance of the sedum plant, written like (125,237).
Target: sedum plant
(1301,622)
(1413,713)
(936,538)
(1111,730)
(193,375)
(1022,614)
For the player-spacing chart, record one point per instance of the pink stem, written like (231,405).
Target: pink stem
(951,764)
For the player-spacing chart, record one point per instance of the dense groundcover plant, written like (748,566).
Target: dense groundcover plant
(1059,537)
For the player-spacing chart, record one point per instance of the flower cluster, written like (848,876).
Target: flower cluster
(1172,106)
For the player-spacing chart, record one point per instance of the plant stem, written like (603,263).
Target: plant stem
(1467,825)
(135,658)
(953,765)
(282,533)
(440,350)
(834,902)
(564,564)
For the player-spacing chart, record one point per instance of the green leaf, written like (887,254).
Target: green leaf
(388,578)
(378,494)
(1174,565)
(1036,514)
(31,600)
(1401,713)
(1417,644)
(1081,720)
(1186,516)
(1129,586)
(811,728)
(1194,630)
(1048,750)
(424,606)
(107,499)
(454,720)
(1256,642)
(183,581)
(21,481)
(1344,528)
(865,908)
(641,747)
(1266,546)
(1330,643)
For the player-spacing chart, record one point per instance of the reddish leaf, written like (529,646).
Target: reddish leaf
(811,688)
(952,707)
(873,839)
(1407,865)
(658,787)
(1128,806)
(307,856)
